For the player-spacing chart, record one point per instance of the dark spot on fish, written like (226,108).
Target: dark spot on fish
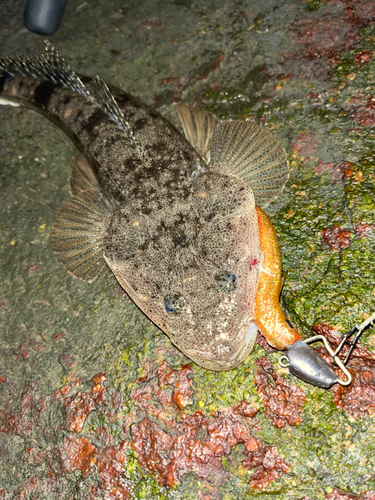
(139,124)
(188,157)
(112,139)
(66,100)
(94,120)
(180,240)
(44,92)
(157,148)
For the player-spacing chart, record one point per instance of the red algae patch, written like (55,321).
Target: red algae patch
(197,443)
(364,57)
(166,388)
(263,342)
(326,36)
(34,267)
(361,14)
(82,403)
(283,400)
(173,456)
(321,36)
(269,465)
(345,495)
(362,230)
(306,144)
(363,113)
(111,472)
(347,169)
(336,238)
(23,415)
(79,454)
(358,399)
(171,444)
(335,169)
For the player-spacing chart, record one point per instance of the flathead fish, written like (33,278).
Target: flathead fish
(176,220)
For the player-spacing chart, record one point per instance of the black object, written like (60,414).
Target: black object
(306,364)
(44,16)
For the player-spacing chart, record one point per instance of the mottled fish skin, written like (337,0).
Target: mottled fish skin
(174,225)
(121,173)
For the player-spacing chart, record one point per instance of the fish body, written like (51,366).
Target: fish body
(175,220)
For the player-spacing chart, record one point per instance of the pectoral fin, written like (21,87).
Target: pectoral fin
(199,127)
(78,235)
(252,153)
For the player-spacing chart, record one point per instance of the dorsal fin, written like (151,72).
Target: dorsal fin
(52,67)
(107,102)
(199,127)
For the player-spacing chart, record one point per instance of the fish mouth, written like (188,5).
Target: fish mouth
(215,362)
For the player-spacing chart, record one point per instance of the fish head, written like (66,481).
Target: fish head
(194,269)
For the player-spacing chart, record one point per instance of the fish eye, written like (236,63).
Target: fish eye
(226,281)
(174,303)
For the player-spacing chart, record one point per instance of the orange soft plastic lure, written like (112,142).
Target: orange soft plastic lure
(268,315)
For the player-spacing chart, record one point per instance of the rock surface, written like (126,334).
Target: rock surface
(94,401)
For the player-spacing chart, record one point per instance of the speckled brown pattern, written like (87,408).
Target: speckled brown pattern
(170,228)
